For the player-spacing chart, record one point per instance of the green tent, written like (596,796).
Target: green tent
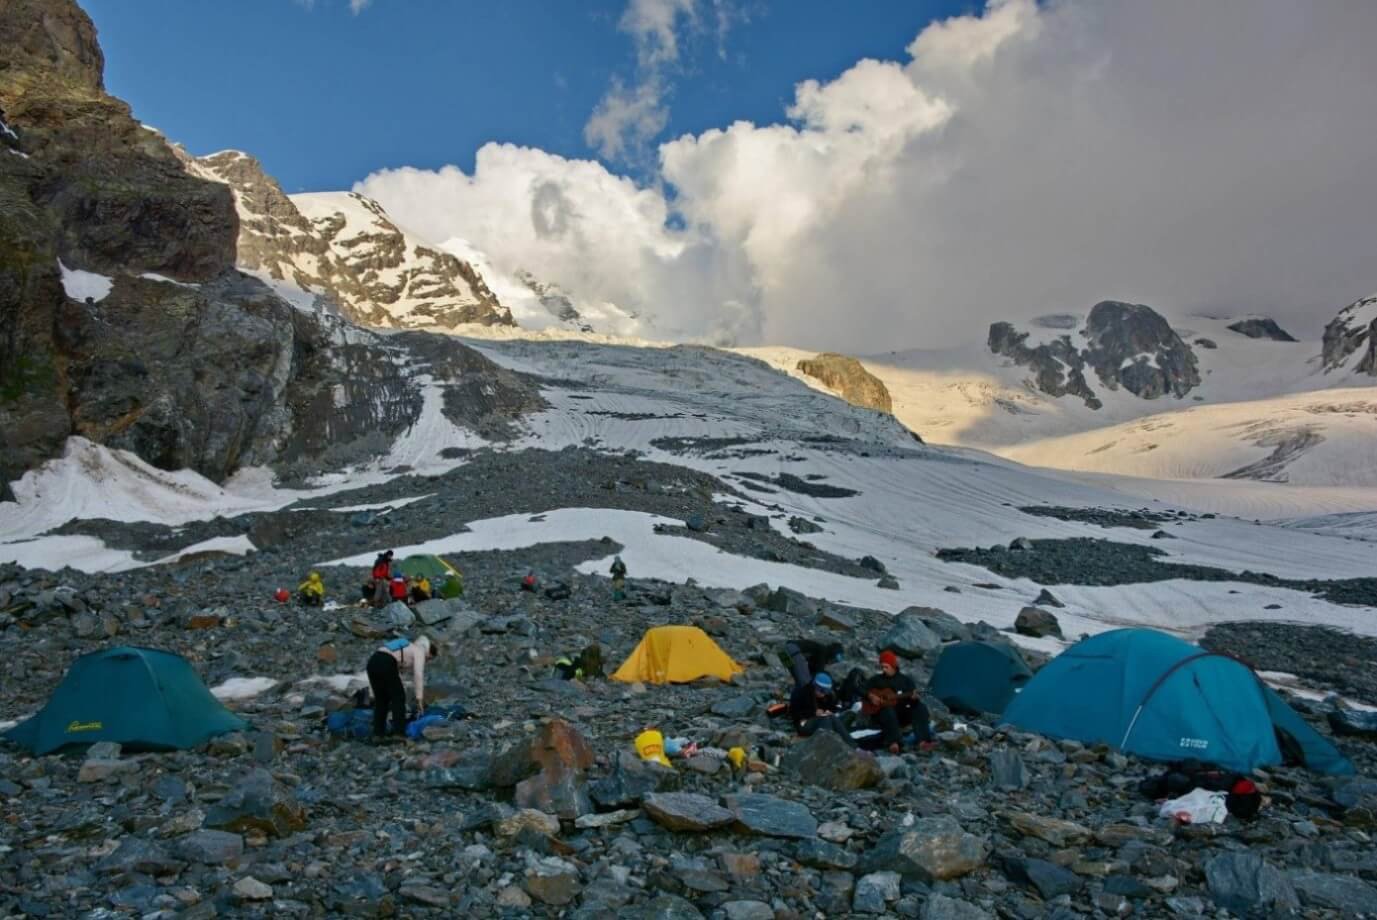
(976,677)
(445,580)
(143,698)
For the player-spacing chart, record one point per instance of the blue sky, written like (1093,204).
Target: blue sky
(324,96)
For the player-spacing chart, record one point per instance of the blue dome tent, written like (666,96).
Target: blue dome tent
(1151,694)
(143,698)
(975,677)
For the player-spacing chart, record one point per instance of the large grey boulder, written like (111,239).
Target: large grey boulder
(910,636)
(933,849)
(1244,883)
(1034,621)
(824,759)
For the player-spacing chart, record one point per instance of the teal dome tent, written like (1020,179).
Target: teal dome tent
(142,698)
(1151,694)
(977,677)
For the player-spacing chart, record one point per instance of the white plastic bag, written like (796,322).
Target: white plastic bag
(1199,806)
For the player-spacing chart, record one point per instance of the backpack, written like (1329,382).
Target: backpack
(396,645)
(350,723)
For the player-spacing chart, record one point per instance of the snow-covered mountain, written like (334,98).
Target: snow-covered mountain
(1129,391)
(540,305)
(345,248)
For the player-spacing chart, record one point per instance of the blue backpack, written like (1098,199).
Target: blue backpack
(396,645)
(350,723)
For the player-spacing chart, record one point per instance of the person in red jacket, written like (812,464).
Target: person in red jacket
(398,589)
(382,567)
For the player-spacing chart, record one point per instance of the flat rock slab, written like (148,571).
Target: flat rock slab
(686,811)
(771,817)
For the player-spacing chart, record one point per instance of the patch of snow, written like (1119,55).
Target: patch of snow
(82,284)
(154,276)
(420,446)
(340,683)
(7,130)
(242,688)
(301,298)
(19,153)
(1282,680)
(238,546)
(85,554)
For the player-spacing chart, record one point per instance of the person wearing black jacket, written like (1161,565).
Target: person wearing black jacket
(891,703)
(804,658)
(813,707)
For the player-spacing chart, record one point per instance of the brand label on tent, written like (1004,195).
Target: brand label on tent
(1198,744)
(73,727)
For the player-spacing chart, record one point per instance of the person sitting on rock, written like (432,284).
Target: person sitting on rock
(812,707)
(311,592)
(397,589)
(420,589)
(891,703)
(804,658)
(618,572)
(385,679)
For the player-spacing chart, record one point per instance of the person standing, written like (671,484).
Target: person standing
(618,579)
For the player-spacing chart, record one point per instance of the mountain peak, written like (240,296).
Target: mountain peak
(343,247)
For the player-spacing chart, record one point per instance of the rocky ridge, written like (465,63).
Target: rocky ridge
(1128,346)
(1352,333)
(173,354)
(344,248)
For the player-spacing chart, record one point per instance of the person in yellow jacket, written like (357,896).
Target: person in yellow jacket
(420,589)
(311,592)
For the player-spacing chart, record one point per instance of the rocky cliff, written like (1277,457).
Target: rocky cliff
(850,379)
(1128,346)
(123,319)
(344,247)
(1350,339)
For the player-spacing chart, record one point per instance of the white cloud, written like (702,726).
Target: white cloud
(627,118)
(1034,158)
(357,6)
(577,225)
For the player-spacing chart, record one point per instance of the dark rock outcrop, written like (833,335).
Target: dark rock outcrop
(1352,332)
(1128,346)
(1058,366)
(1261,327)
(185,361)
(848,377)
(1132,346)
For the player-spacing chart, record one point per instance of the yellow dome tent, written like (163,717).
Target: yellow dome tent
(676,655)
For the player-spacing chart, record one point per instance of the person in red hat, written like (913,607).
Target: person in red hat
(891,704)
